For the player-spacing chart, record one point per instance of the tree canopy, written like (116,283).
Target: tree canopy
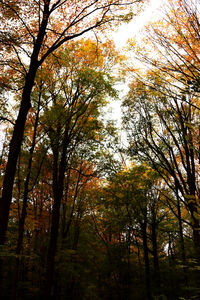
(89,210)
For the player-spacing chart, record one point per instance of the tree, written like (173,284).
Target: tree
(41,35)
(172,50)
(131,213)
(171,82)
(71,120)
(163,131)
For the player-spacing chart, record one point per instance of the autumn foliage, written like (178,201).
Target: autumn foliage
(89,210)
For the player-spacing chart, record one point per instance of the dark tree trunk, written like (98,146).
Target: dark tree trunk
(196,230)
(155,257)
(146,260)
(18,131)
(14,150)
(49,288)
(58,187)
(22,217)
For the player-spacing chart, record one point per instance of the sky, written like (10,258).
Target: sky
(125,32)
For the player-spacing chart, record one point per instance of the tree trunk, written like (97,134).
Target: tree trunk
(146,260)
(18,131)
(14,150)
(58,187)
(49,288)
(195,227)
(155,257)
(22,217)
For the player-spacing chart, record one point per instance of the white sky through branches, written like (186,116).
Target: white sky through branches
(133,28)
(130,30)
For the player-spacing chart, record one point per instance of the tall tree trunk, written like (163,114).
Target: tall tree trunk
(196,230)
(49,286)
(14,150)
(22,217)
(26,185)
(155,256)
(182,245)
(171,261)
(146,260)
(18,131)
(58,187)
